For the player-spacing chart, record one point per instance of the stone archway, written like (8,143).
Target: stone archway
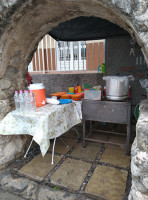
(24,23)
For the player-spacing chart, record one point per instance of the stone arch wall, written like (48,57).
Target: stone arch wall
(24,22)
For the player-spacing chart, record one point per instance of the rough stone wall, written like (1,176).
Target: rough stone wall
(139,161)
(11,147)
(61,82)
(24,22)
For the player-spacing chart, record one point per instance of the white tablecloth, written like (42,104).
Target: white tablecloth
(47,122)
(78,105)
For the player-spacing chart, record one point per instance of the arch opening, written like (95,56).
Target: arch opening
(32,20)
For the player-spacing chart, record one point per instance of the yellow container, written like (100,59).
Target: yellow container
(71,89)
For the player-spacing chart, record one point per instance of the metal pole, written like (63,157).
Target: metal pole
(98,52)
(69,57)
(46,40)
(28,148)
(39,58)
(51,54)
(55,52)
(80,57)
(73,56)
(83,55)
(58,58)
(64,56)
(35,62)
(66,145)
(43,57)
(79,48)
(93,55)
(52,161)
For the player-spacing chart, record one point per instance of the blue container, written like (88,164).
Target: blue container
(70,93)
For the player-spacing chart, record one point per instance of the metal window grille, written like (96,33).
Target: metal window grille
(53,56)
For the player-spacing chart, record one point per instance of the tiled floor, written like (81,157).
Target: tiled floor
(71,174)
(89,153)
(98,170)
(116,156)
(39,167)
(107,182)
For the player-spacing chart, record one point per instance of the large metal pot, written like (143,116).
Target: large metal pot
(117,87)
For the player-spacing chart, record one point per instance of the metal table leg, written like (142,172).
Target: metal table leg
(66,145)
(128,140)
(128,131)
(28,148)
(77,133)
(52,162)
(91,128)
(84,133)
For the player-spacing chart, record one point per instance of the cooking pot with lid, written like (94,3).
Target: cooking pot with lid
(117,87)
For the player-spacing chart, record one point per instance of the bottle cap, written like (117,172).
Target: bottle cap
(16,92)
(26,91)
(21,91)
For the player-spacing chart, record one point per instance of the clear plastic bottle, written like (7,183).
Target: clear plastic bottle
(28,105)
(32,100)
(17,101)
(22,101)
(25,98)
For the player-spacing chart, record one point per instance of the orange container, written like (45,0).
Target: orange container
(60,93)
(79,88)
(76,97)
(38,90)
(65,96)
(82,94)
(55,94)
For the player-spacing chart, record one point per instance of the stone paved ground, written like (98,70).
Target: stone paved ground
(9,196)
(96,172)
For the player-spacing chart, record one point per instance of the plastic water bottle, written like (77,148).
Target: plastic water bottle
(32,100)
(22,101)
(28,105)
(24,94)
(25,98)
(17,101)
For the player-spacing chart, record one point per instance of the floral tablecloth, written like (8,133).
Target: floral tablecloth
(78,105)
(47,122)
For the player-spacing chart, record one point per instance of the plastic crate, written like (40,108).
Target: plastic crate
(92,94)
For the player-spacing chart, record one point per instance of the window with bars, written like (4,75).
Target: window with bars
(61,57)
(52,56)
(83,53)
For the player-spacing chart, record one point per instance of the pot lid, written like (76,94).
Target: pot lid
(119,78)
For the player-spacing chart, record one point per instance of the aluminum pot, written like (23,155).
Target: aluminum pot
(117,87)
